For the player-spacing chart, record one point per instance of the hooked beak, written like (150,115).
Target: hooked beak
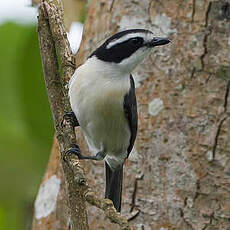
(157,41)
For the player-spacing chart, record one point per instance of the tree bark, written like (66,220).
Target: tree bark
(178,175)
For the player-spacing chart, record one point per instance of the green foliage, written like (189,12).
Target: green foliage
(26,128)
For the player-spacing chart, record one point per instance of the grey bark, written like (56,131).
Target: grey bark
(178,175)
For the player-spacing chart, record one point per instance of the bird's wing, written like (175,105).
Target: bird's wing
(130,108)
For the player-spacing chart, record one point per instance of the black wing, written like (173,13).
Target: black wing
(130,108)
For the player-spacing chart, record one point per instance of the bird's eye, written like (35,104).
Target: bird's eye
(137,41)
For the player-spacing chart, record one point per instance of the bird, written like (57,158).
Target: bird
(103,100)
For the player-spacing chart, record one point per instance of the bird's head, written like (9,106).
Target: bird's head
(128,48)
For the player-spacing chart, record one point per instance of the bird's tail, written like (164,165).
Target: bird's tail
(113,189)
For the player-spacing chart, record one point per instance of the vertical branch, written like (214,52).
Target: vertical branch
(52,37)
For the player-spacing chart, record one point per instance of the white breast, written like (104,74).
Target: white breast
(97,95)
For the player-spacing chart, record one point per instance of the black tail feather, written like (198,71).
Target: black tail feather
(113,189)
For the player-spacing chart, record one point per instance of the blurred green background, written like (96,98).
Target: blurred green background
(26,128)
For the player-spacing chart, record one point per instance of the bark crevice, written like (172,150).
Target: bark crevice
(193,10)
(208,32)
(217,136)
(226,97)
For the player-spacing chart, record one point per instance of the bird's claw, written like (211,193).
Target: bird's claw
(75,150)
(70,116)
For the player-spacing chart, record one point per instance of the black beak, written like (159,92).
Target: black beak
(158,42)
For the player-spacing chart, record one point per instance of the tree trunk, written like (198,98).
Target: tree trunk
(178,175)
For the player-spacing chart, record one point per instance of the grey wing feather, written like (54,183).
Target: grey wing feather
(130,108)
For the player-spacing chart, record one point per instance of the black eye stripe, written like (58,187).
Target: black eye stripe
(134,40)
(110,51)
(137,40)
(118,52)
(123,33)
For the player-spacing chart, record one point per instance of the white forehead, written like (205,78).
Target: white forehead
(147,36)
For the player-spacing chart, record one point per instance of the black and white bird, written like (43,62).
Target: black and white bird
(102,97)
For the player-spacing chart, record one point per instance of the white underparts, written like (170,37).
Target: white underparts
(97,98)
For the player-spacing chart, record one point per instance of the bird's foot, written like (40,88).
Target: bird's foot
(70,116)
(76,150)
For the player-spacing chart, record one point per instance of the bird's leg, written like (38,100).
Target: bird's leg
(76,150)
(72,118)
